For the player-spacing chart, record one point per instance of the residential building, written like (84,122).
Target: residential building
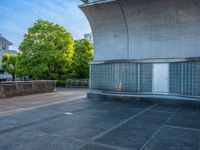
(4,49)
(89,37)
(4,43)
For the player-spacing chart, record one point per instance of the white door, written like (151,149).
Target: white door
(161,78)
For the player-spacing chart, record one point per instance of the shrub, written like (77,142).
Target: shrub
(61,83)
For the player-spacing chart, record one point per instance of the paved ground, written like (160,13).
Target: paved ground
(67,120)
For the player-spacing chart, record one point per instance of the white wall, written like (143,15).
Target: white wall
(4,42)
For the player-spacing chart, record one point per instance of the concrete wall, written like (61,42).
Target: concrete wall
(143,29)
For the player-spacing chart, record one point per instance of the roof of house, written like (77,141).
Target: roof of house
(3,38)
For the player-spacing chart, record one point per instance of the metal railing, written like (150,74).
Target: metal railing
(77,83)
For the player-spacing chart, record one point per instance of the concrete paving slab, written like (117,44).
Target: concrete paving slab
(30,117)
(57,142)
(96,147)
(165,108)
(9,140)
(186,117)
(188,114)
(67,120)
(134,133)
(175,139)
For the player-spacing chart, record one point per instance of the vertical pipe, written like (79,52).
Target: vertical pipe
(138,78)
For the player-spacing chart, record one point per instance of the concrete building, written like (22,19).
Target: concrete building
(145,46)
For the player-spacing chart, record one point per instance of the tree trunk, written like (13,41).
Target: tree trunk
(13,77)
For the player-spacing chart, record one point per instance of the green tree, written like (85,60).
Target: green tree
(9,64)
(83,54)
(46,51)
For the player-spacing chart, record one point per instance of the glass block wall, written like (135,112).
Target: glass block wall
(124,77)
(137,77)
(175,78)
(185,78)
(145,77)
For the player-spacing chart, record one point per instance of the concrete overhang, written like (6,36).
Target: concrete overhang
(155,60)
(144,29)
(96,3)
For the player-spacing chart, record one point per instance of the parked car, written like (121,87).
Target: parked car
(5,77)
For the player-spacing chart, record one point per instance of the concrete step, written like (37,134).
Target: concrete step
(153,98)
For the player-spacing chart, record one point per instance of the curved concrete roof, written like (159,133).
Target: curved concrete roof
(144,29)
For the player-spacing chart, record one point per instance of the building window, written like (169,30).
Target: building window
(4,46)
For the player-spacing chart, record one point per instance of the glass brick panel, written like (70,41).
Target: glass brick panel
(175,78)
(145,78)
(121,77)
(130,81)
(185,78)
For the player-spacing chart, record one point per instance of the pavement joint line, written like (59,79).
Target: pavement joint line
(110,146)
(161,111)
(120,124)
(158,130)
(183,128)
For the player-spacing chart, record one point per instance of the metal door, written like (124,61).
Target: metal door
(161,78)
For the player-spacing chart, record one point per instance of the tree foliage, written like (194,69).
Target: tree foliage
(9,64)
(83,53)
(46,51)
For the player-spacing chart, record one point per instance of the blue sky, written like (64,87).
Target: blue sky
(17,16)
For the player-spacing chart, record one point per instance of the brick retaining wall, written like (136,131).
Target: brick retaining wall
(10,89)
